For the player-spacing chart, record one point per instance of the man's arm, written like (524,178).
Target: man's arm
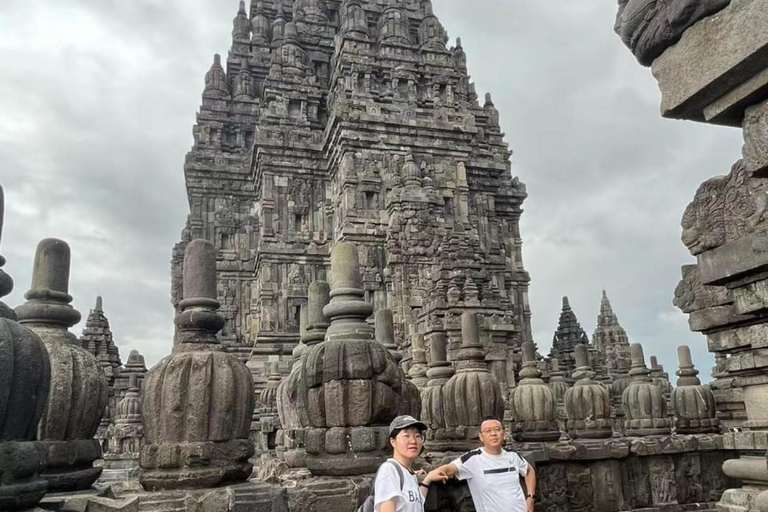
(441,474)
(530,484)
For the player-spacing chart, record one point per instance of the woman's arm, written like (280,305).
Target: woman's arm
(388,506)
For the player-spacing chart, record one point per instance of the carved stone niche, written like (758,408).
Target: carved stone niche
(78,394)
(645,406)
(25,376)
(199,401)
(588,402)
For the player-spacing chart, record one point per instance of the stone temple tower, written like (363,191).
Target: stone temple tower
(353,121)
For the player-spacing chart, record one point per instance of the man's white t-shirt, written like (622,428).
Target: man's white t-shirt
(494,480)
(387,487)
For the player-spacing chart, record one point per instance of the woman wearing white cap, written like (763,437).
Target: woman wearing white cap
(397,488)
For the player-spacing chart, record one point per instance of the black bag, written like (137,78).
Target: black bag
(370,501)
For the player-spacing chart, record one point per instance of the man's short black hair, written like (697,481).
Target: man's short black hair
(491,418)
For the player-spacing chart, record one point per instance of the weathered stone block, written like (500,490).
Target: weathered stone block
(712,58)
(734,259)
(756,138)
(337,441)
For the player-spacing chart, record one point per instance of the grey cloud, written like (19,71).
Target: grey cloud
(99,98)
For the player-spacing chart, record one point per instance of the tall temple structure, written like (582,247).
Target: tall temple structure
(353,121)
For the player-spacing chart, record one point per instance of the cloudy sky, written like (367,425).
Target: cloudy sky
(98,99)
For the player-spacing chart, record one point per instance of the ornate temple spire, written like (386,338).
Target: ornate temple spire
(569,334)
(261,28)
(312,11)
(216,81)
(353,19)
(97,339)
(241,26)
(611,338)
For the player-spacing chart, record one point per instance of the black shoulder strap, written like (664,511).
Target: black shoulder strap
(399,472)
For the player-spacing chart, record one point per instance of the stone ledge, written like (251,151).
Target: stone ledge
(712,66)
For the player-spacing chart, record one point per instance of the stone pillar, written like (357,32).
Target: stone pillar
(292,404)
(588,402)
(559,386)
(353,388)
(432,399)
(269,420)
(385,332)
(533,406)
(644,404)
(198,402)
(693,404)
(418,370)
(78,386)
(25,377)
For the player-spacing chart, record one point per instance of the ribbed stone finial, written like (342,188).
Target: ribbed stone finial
(587,403)
(319,294)
(693,404)
(301,346)
(385,332)
(470,332)
(438,348)
(200,270)
(654,362)
(211,392)
(51,268)
(533,404)
(530,366)
(644,404)
(48,298)
(345,265)
(582,357)
(78,385)
(6,283)
(687,372)
(471,353)
(199,320)
(98,307)
(638,361)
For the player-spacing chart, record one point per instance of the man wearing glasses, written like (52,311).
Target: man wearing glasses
(493,473)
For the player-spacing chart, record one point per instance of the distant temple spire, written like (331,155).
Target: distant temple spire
(611,338)
(97,339)
(569,334)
